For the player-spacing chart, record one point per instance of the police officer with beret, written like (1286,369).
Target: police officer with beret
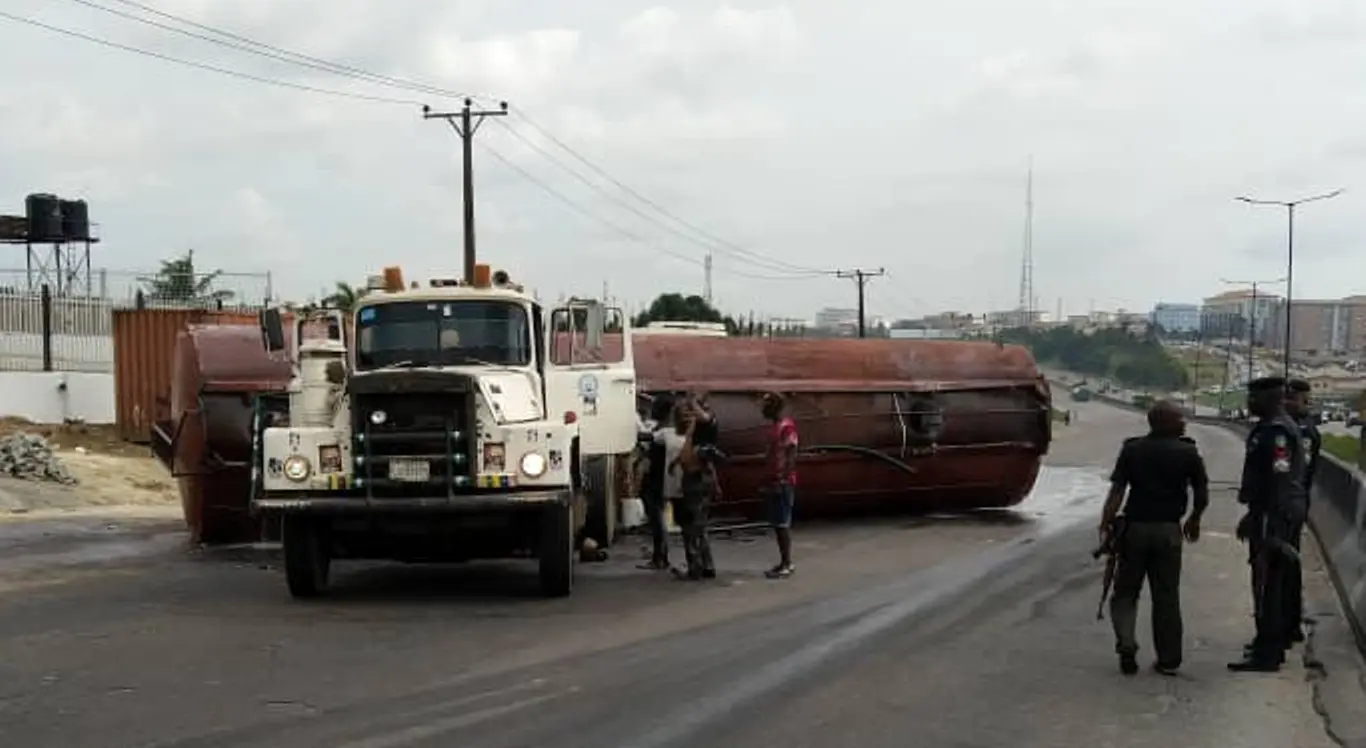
(1272,489)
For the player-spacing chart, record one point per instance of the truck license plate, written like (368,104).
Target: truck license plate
(410,471)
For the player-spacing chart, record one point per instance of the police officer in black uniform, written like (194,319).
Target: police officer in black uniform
(1161,472)
(1272,488)
(1297,405)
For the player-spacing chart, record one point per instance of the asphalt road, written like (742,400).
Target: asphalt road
(957,632)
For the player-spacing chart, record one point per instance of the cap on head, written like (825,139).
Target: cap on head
(1301,386)
(1262,385)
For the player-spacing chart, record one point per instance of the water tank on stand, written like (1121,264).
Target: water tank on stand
(44,213)
(75,220)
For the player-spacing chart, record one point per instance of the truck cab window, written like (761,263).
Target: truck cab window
(443,333)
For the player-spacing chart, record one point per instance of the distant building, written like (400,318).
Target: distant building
(925,333)
(1232,312)
(835,318)
(1014,318)
(1319,327)
(1176,317)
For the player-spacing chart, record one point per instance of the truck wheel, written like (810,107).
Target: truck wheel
(556,551)
(599,489)
(308,559)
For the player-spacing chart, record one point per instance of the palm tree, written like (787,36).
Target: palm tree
(178,281)
(344,297)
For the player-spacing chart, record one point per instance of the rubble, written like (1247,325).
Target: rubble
(30,457)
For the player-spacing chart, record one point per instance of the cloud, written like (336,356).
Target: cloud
(892,135)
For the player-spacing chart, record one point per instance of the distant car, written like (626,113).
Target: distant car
(1354,422)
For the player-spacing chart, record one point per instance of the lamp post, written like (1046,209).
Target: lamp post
(1289,206)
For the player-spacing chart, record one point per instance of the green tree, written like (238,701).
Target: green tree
(1136,360)
(344,296)
(676,307)
(178,280)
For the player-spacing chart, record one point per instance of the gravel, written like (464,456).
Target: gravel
(30,457)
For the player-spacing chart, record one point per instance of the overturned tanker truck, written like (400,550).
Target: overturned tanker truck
(932,425)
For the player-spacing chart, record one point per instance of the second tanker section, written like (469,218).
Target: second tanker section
(921,425)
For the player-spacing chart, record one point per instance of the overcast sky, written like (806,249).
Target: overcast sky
(819,134)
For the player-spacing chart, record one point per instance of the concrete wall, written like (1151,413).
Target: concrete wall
(40,397)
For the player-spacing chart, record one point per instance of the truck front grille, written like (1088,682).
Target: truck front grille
(421,447)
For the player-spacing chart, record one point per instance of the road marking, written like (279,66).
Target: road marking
(432,729)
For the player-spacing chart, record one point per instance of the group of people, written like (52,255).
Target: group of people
(1158,476)
(676,466)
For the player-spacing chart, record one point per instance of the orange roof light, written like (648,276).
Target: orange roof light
(393,278)
(481,275)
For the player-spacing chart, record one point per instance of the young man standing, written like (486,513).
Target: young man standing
(782,493)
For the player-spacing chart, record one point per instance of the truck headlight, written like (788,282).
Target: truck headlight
(297,468)
(533,465)
(378,417)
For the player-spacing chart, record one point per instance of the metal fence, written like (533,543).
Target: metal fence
(40,331)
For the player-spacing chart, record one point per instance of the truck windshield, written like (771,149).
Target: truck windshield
(442,333)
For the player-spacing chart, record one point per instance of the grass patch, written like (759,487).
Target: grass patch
(1345,448)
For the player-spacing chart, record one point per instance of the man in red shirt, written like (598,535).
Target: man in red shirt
(782,492)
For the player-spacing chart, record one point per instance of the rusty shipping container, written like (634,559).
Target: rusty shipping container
(205,438)
(868,412)
(144,349)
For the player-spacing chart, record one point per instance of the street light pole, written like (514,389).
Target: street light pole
(1289,206)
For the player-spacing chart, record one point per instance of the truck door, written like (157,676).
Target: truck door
(591,369)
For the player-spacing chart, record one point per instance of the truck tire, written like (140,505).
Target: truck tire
(556,551)
(308,559)
(600,491)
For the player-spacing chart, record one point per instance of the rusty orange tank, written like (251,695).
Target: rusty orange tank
(918,424)
(205,435)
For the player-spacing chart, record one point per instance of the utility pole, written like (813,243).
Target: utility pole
(706,284)
(469,122)
(861,277)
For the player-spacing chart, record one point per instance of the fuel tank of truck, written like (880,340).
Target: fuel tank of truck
(916,424)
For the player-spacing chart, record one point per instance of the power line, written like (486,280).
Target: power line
(204,66)
(642,198)
(280,54)
(251,46)
(242,44)
(762,262)
(613,226)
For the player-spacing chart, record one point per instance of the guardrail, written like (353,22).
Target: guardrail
(1337,518)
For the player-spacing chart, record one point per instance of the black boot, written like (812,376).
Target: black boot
(1128,663)
(1254,662)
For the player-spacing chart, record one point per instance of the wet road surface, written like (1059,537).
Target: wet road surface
(974,631)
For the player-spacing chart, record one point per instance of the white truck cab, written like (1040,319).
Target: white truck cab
(455,424)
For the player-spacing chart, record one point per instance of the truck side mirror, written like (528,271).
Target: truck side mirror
(272,330)
(594,324)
